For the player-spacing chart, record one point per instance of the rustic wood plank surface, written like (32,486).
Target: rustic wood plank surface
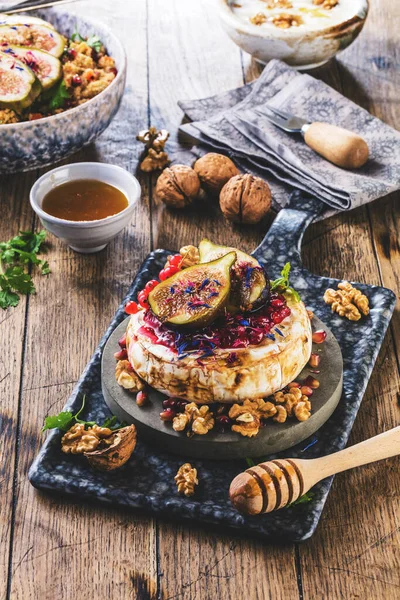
(50,547)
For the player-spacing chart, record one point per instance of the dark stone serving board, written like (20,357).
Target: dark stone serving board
(147,480)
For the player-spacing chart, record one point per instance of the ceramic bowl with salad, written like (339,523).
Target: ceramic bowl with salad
(61,82)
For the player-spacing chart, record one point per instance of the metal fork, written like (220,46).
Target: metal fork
(340,146)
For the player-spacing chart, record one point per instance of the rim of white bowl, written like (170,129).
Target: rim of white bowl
(84,224)
(121,73)
(227,14)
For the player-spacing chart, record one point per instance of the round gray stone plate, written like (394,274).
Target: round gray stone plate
(272,438)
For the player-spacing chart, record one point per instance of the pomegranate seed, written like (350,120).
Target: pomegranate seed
(122,341)
(294,384)
(142,298)
(114,70)
(169,403)
(71,53)
(223,423)
(277,303)
(314,360)
(277,317)
(131,308)
(167,415)
(311,382)
(121,354)
(150,285)
(76,80)
(306,390)
(318,337)
(181,405)
(141,398)
(175,261)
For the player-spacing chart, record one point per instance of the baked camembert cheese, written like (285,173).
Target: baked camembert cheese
(218,330)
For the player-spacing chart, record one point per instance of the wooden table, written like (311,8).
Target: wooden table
(57,548)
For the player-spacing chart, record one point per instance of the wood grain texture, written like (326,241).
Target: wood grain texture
(13,209)
(62,549)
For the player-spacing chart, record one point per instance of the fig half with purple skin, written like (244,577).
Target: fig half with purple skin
(249,283)
(19,86)
(194,297)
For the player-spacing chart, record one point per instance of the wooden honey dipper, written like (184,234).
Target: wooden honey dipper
(274,484)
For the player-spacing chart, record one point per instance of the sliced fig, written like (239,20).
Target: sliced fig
(248,280)
(22,20)
(46,67)
(194,297)
(19,86)
(35,36)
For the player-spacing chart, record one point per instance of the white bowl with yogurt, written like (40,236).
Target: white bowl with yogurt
(303,33)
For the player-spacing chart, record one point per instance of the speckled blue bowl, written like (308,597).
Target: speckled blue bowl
(33,144)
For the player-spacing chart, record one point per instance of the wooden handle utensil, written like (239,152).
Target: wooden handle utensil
(340,146)
(274,484)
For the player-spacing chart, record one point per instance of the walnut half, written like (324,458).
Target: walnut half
(105,449)
(186,479)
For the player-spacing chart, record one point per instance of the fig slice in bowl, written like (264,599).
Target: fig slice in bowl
(194,297)
(248,279)
(46,67)
(19,86)
(36,36)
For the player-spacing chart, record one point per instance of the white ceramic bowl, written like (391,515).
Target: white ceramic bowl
(300,47)
(86,236)
(43,142)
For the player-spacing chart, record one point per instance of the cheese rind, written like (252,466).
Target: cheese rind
(258,371)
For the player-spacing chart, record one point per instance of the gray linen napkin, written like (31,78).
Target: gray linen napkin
(234,123)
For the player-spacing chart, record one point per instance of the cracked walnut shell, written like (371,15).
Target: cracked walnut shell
(214,170)
(245,199)
(178,186)
(105,449)
(116,451)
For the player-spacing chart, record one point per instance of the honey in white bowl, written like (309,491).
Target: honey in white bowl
(84,200)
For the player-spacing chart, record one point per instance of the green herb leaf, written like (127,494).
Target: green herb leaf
(58,96)
(15,254)
(62,421)
(66,419)
(304,499)
(282,283)
(113,423)
(76,37)
(250,462)
(94,42)
(8,298)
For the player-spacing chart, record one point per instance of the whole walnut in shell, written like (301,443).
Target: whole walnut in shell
(178,186)
(245,199)
(214,170)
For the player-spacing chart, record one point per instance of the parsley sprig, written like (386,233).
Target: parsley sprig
(282,283)
(15,255)
(66,419)
(93,41)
